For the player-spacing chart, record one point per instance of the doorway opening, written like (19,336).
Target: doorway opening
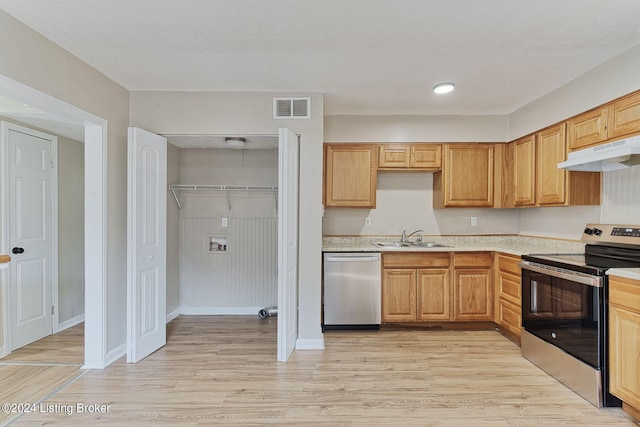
(57,116)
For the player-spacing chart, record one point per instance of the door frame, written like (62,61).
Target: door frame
(5,191)
(95,206)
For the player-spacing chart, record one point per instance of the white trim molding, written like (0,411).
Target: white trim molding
(310,344)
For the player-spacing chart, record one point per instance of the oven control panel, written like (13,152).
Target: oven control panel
(623,231)
(602,234)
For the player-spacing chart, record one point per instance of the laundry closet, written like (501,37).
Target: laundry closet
(222,219)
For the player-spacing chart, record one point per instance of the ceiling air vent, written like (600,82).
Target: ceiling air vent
(292,108)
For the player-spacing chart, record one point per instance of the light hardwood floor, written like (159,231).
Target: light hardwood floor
(222,371)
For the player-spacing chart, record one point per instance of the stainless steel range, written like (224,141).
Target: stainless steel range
(565,309)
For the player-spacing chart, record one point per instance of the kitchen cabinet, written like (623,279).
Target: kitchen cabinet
(350,175)
(624,116)
(415,287)
(466,179)
(473,286)
(551,150)
(410,157)
(508,294)
(624,340)
(587,129)
(524,173)
(557,187)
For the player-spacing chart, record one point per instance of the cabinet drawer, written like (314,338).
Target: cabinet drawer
(509,264)
(509,317)
(624,293)
(472,259)
(416,260)
(509,287)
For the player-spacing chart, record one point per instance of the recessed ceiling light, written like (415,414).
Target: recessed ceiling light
(444,87)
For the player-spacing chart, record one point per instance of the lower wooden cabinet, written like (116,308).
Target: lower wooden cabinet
(422,287)
(473,286)
(624,340)
(508,294)
(415,287)
(399,295)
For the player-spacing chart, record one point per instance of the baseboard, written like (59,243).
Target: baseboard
(3,353)
(71,322)
(310,344)
(228,311)
(175,313)
(115,354)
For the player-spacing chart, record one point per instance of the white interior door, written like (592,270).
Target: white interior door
(288,159)
(146,249)
(29,161)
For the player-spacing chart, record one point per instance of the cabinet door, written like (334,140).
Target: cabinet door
(552,182)
(426,156)
(624,116)
(350,175)
(587,129)
(394,156)
(398,295)
(525,171)
(624,348)
(466,179)
(473,294)
(433,294)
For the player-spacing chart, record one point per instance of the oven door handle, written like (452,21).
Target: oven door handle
(572,276)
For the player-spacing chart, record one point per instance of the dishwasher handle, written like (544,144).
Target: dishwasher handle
(338,258)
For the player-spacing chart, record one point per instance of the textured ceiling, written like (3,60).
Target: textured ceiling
(366,56)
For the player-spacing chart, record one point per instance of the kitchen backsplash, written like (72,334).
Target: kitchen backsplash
(404,201)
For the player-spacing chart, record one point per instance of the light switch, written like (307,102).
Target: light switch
(224,221)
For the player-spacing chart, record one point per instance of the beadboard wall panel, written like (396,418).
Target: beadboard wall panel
(621,196)
(238,281)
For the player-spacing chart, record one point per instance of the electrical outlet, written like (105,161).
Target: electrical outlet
(225,221)
(474,221)
(367,221)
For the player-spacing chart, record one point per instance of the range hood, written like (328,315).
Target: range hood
(607,157)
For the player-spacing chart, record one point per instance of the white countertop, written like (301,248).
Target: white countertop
(511,244)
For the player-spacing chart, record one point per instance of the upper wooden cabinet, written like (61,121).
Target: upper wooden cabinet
(410,156)
(524,173)
(611,121)
(350,175)
(551,150)
(587,129)
(557,187)
(624,116)
(466,179)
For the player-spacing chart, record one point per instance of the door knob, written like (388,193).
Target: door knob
(17,250)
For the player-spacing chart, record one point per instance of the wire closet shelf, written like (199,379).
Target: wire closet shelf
(175,188)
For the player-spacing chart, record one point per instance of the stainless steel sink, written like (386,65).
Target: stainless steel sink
(429,245)
(408,244)
(390,244)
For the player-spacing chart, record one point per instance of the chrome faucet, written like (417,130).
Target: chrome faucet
(405,237)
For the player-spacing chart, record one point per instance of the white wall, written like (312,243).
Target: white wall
(231,113)
(173,227)
(242,279)
(70,229)
(604,83)
(404,200)
(31,59)
(621,198)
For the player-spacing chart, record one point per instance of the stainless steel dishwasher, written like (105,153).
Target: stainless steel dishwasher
(352,290)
